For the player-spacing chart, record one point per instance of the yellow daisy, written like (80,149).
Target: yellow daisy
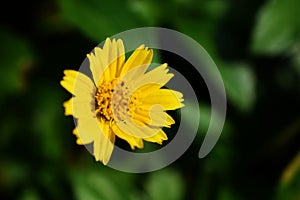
(122,99)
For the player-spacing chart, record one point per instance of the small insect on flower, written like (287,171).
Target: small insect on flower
(121,99)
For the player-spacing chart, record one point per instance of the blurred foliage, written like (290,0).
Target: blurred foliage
(16,58)
(256,47)
(289,184)
(239,82)
(278,27)
(95,19)
(165,184)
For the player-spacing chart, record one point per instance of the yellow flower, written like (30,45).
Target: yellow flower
(121,100)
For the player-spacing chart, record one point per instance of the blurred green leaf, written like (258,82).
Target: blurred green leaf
(29,194)
(7,129)
(98,19)
(289,187)
(227,193)
(239,83)
(97,184)
(13,173)
(202,28)
(149,10)
(204,115)
(48,111)
(215,9)
(165,184)
(15,58)
(199,30)
(277,27)
(296,58)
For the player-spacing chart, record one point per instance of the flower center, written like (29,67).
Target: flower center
(112,101)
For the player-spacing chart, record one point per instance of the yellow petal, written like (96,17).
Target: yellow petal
(68,107)
(132,141)
(78,108)
(120,57)
(78,141)
(133,129)
(140,59)
(104,144)
(106,63)
(157,138)
(156,77)
(112,58)
(96,66)
(103,57)
(169,121)
(153,118)
(87,130)
(168,99)
(78,84)
(147,89)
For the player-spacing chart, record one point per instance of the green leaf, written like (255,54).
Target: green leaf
(227,193)
(201,31)
(165,184)
(15,58)
(214,9)
(98,19)
(14,173)
(289,186)
(202,28)
(204,115)
(149,10)
(46,121)
(239,83)
(91,184)
(277,27)
(29,194)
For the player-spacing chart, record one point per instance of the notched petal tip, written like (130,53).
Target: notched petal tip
(61,83)
(142,46)
(158,138)
(68,107)
(79,142)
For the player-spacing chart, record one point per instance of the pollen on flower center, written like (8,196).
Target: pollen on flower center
(112,101)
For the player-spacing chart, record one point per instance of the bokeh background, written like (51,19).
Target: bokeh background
(256,45)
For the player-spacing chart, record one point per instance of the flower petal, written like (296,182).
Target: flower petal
(87,130)
(106,63)
(156,77)
(112,58)
(96,66)
(168,99)
(157,138)
(78,141)
(120,57)
(137,130)
(104,143)
(78,108)
(68,105)
(153,118)
(139,59)
(132,141)
(170,121)
(78,84)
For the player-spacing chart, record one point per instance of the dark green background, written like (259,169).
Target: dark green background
(256,45)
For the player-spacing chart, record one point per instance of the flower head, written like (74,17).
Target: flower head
(121,99)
